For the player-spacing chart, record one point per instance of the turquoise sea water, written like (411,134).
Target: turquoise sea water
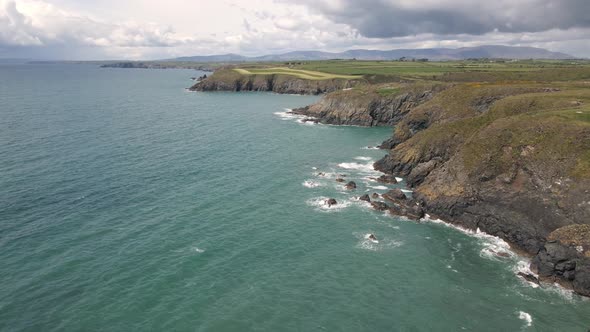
(127,203)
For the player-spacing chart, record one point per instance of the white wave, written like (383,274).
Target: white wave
(491,242)
(451,268)
(198,250)
(525,317)
(566,294)
(314,168)
(367,244)
(302,121)
(327,175)
(398,179)
(496,251)
(407,191)
(498,245)
(523,266)
(367,168)
(311,184)
(363,158)
(370,148)
(320,204)
(379,187)
(288,116)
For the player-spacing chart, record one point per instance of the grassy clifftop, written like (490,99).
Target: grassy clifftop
(494,126)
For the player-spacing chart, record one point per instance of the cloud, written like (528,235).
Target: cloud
(15,28)
(151,30)
(385,19)
(41,24)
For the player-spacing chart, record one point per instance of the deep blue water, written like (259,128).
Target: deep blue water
(127,203)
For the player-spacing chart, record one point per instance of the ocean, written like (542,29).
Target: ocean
(130,204)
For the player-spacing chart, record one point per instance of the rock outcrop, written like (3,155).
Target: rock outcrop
(366,107)
(365,198)
(331,201)
(350,185)
(566,257)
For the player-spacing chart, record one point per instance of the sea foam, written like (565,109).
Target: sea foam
(320,204)
(367,168)
(526,317)
(311,184)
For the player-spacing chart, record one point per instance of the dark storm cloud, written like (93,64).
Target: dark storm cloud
(383,19)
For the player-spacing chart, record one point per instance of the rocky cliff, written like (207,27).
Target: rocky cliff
(370,106)
(510,159)
(229,80)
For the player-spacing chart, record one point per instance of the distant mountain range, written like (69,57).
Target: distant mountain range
(435,54)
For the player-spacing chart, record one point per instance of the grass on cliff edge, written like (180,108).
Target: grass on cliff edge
(527,125)
(303,74)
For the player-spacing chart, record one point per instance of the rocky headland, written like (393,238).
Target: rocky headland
(512,160)
(227,79)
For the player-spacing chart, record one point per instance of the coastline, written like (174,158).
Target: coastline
(451,147)
(555,266)
(494,247)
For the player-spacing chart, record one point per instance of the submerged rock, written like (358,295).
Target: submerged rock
(331,201)
(375,195)
(350,185)
(528,277)
(340,180)
(365,198)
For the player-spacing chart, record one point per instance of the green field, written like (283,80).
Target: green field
(430,68)
(300,73)
(447,71)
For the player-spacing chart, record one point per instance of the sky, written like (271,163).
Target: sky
(147,29)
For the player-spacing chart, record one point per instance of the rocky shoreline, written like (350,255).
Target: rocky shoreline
(529,199)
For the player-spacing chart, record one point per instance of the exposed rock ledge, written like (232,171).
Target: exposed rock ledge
(366,107)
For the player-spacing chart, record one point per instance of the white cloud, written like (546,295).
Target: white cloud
(148,29)
(37,23)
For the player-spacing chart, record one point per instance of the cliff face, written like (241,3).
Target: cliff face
(512,160)
(366,107)
(516,169)
(228,80)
